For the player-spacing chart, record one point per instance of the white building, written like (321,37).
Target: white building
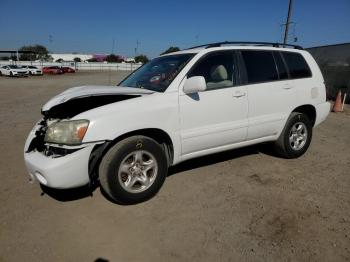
(70,57)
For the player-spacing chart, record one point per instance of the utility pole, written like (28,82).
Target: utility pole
(288,22)
(113,44)
(137,47)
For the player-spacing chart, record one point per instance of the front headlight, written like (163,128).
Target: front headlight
(67,132)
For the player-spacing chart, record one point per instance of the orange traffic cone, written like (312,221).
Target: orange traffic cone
(337,105)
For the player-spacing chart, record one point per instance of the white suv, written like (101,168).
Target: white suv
(176,107)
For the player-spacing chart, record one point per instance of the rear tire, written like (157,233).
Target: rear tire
(133,170)
(295,137)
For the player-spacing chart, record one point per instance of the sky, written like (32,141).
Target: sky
(93,26)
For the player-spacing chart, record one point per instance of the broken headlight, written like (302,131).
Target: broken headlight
(67,132)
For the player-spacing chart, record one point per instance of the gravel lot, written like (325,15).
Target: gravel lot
(241,205)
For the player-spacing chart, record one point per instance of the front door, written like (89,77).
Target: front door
(216,117)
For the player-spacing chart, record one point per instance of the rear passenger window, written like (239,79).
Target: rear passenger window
(260,66)
(281,67)
(297,65)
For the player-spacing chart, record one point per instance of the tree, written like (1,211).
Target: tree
(59,60)
(92,60)
(13,57)
(141,59)
(77,59)
(39,53)
(170,50)
(112,58)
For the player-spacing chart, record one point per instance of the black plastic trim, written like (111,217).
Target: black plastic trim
(94,160)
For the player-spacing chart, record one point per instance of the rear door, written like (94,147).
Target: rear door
(271,94)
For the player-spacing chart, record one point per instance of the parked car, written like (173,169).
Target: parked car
(13,70)
(67,69)
(33,70)
(54,70)
(214,98)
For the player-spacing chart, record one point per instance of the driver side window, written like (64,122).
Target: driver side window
(217,69)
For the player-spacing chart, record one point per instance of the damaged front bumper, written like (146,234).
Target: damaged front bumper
(60,167)
(62,172)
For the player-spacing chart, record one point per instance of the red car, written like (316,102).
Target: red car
(54,70)
(67,69)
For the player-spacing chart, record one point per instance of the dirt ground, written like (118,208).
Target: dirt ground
(241,205)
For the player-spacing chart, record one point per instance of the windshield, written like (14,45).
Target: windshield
(13,67)
(158,73)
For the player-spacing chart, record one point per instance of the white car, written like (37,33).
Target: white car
(33,70)
(13,70)
(176,107)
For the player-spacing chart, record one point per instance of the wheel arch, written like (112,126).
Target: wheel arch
(308,110)
(100,150)
(157,134)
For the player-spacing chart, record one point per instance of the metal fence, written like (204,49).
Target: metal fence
(96,66)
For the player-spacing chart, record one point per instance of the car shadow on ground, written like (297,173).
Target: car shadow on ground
(73,194)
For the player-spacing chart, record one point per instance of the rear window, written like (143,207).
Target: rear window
(260,66)
(297,65)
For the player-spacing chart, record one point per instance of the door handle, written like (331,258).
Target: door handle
(287,87)
(239,94)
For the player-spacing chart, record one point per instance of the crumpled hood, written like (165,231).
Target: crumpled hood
(89,91)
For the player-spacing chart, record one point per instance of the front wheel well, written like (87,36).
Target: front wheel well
(308,110)
(156,134)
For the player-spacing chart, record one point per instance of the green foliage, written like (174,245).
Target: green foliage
(77,59)
(40,53)
(59,60)
(13,57)
(112,58)
(141,59)
(92,60)
(171,50)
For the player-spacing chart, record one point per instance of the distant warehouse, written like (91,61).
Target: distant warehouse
(71,57)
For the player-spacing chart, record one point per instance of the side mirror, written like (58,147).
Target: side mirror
(195,84)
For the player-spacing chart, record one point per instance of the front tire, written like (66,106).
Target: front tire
(295,137)
(133,170)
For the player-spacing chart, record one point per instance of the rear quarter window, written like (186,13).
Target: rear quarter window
(298,68)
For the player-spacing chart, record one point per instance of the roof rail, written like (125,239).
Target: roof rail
(246,43)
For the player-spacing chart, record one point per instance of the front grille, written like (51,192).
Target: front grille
(58,152)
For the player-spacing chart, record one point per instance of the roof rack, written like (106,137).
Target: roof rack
(246,43)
